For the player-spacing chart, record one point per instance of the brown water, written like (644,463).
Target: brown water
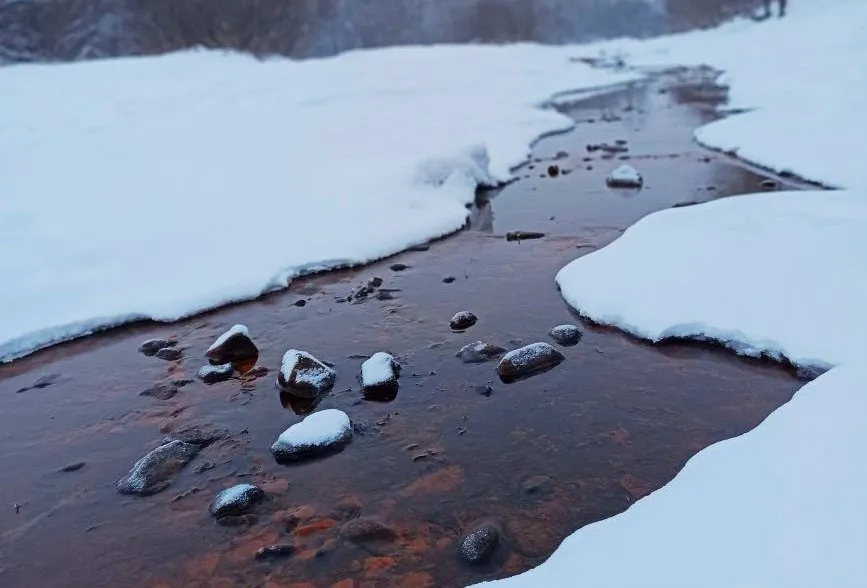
(617,419)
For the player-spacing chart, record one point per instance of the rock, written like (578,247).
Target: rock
(200,435)
(151,346)
(257,372)
(211,374)
(463,320)
(204,467)
(536,485)
(367,529)
(160,391)
(154,472)
(398,267)
(479,352)
(42,382)
(233,346)
(320,433)
(527,360)
(625,176)
(236,500)
(422,247)
(566,335)
(523,235)
(479,545)
(304,375)
(485,390)
(561,155)
(553,170)
(379,372)
(72,467)
(169,353)
(448,280)
(301,302)
(275,551)
(769,184)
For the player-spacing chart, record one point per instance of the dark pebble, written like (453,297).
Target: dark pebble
(151,346)
(169,354)
(73,467)
(463,320)
(448,279)
(398,267)
(479,545)
(301,302)
(160,391)
(275,551)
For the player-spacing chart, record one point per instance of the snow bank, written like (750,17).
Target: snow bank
(779,506)
(778,273)
(803,76)
(158,187)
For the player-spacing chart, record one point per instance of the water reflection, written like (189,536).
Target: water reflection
(84,29)
(300,405)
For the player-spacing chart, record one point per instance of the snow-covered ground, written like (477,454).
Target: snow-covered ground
(780,273)
(158,187)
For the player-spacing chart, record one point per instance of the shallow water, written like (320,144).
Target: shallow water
(541,457)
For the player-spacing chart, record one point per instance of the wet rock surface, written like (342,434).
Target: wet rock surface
(233,347)
(160,391)
(479,544)
(319,434)
(169,354)
(237,500)
(154,472)
(365,529)
(566,335)
(479,352)
(43,382)
(275,551)
(151,346)
(523,235)
(72,467)
(462,321)
(304,375)
(528,360)
(211,374)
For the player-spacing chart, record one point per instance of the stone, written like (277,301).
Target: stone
(237,500)
(523,235)
(566,335)
(160,391)
(233,346)
(320,433)
(536,485)
(479,545)
(211,374)
(367,529)
(625,176)
(478,352)
(200,435)
(462,320)
(448,280)
(154,472)
(169,354)
(553,170)
(379,372)
(528,360)
(151,346)
(72,467)
(398,267)
(275,551)
(304,375)
(42,382)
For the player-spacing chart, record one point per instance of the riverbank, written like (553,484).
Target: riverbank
(542,457)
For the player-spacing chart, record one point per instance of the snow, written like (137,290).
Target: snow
(779,506)
(240,174)
(625,176)
(378,370)
(775,273)
(316,375)
(235,330)
(319,428)
(801,77)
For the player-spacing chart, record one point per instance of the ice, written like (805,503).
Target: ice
(240,174)
(378,370)
(778,507)
(625,176)
(235,330)
(801,78)
(319,428)
(776,273)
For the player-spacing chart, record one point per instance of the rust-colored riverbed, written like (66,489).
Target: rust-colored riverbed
(542,457)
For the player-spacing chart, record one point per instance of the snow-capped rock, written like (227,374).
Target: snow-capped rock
(318,434)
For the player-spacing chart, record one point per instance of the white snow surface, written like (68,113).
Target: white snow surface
(778,273)
(235,330)
(802,77)
(625,175)
(319,428)
(779,506)
(378,370)
(158,187)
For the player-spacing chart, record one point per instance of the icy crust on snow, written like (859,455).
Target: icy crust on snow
(802,77)
(319,430)
(351,158)
(781,274)
(779,506)
(378,370)
(235,330)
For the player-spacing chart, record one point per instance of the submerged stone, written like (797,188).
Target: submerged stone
(478,352)
(154,472)
(151,346)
